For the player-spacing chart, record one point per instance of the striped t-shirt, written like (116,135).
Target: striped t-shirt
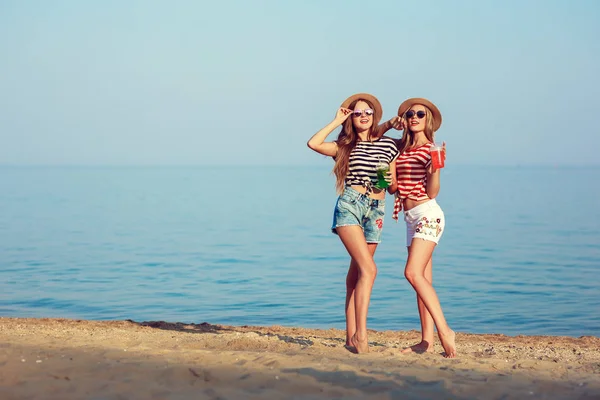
(364,159)
(411,173)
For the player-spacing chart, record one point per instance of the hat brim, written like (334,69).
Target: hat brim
(437,115)
(371,99)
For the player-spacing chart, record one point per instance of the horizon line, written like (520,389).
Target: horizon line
(514,165)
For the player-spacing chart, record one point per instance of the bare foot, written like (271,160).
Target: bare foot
(349,338)
(420,348)
(448,343)
(361,346)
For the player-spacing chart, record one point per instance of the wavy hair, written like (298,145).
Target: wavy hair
(407,141)
(346,142)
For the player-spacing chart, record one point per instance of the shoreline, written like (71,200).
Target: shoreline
(74,359)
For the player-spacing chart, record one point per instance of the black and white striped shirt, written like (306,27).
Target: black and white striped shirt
(364,158)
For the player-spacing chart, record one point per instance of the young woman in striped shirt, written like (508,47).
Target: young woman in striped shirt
(359,211)
(416,183)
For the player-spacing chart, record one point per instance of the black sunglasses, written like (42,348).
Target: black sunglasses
(411,113)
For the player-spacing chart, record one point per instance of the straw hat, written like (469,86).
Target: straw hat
(437,115)
(371,99)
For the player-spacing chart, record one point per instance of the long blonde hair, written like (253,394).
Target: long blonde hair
(346,142)
(407,141)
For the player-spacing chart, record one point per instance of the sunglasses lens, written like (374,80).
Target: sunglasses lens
(419,114)
(356,113)
(368,111)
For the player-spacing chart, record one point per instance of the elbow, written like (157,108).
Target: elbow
(314,145)
(432,193)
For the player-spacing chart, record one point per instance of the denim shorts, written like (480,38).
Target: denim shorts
(425,221)
(355,208)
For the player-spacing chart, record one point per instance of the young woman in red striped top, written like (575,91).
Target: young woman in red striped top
(416,183)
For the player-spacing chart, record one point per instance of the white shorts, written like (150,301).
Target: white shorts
(425,221)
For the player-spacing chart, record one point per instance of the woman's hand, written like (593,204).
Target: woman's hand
(432,170)
(342,114)
(388,178)
(398,123)
(393,188)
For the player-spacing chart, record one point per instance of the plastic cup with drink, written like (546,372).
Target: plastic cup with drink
(382,168)
(437,155)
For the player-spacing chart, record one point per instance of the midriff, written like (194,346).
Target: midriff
(408,204)
(377,194)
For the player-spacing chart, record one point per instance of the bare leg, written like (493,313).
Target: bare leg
(419,256)
(426,318)
(354,240)
(351,280)
(426,344)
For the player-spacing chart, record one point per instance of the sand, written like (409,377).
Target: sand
(78,359)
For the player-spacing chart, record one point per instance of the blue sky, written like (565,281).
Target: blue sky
(248,82)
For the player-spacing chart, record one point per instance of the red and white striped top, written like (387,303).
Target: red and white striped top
(411,173)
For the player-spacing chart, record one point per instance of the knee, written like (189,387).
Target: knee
(369,272)
(411,275)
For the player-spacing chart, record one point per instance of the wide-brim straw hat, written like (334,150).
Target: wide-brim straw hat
(371,99)
(437,115)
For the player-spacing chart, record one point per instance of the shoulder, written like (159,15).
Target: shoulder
(388,141)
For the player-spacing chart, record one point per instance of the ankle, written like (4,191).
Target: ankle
(360,338)
(445,332)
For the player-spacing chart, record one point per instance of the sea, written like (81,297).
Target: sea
(252,245)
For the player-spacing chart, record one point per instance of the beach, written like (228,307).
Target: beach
(81,359)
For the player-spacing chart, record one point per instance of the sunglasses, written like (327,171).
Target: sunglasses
(359,113)
(419,114)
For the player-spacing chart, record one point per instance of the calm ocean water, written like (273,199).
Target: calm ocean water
(251,245)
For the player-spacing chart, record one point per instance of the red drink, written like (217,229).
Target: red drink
(437,156)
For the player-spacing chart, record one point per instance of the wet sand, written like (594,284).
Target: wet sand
(77,359)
